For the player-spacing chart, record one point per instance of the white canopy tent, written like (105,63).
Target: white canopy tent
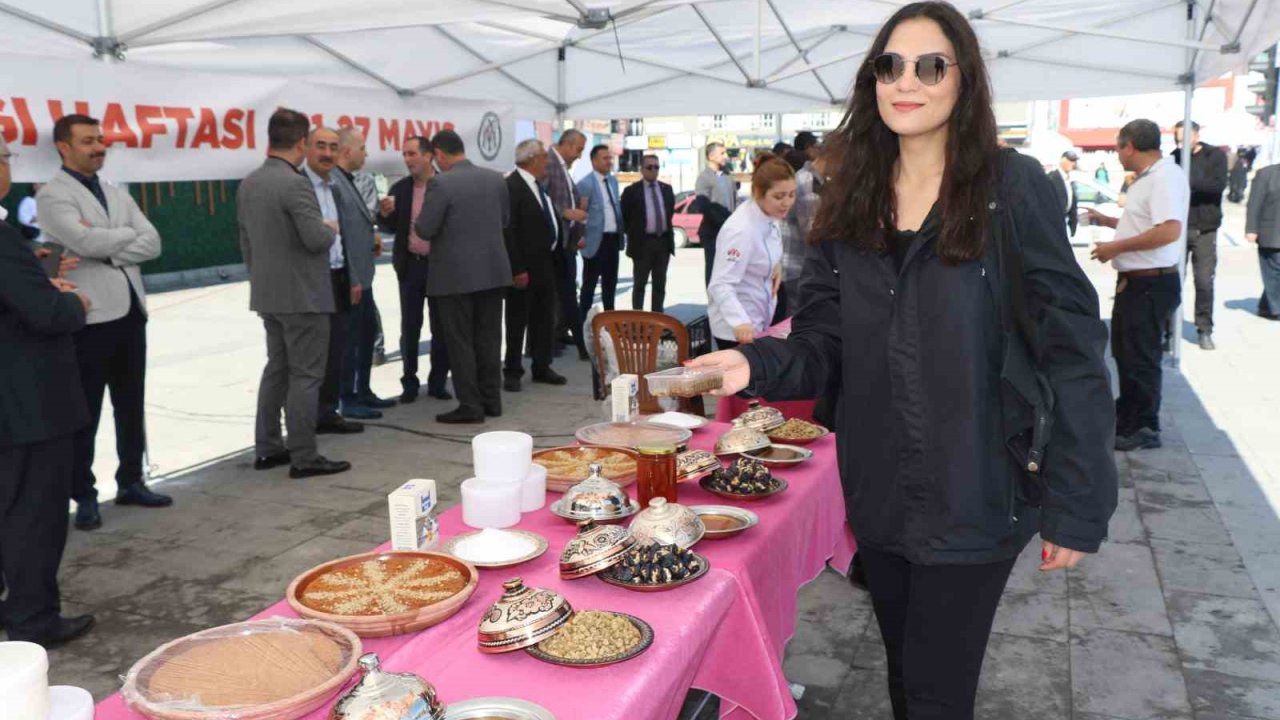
(626,58)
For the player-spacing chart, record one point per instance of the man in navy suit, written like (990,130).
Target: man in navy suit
(603,235)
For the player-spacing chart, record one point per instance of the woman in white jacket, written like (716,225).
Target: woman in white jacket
(743,291)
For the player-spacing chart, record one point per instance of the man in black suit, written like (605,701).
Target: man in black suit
(647,207)
(1060,179)
(397,212)
(532,237)
(44,407)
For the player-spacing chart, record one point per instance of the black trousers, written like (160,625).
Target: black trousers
(1202,246)
(1269,264)
(569,319)
(602,269)
(1138,321)
(722,344)
(358,362)
(708,256)
(472,325)
(936,620)
(113,358)
(413,296)
(340,342)
(35,485)
(649,256)
(531,310)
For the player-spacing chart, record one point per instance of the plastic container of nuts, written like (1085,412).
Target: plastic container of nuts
(684,382)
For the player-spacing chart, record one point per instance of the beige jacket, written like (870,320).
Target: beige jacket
(118,240)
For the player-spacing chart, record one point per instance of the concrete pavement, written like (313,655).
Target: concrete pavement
(1175,619)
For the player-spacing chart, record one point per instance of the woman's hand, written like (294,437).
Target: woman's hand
(743,334)
(737,372)
(776,279)
(1053,557)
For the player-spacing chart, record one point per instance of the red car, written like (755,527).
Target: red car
(684,223)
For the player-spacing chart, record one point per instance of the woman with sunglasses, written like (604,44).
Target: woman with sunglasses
(907,296)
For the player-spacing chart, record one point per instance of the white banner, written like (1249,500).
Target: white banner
(168,125)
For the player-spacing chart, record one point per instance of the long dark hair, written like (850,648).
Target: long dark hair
(862,152)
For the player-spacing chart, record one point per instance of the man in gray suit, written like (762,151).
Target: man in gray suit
(1262,227)
(357,225)
(285,242)
(463,217)
(102,225)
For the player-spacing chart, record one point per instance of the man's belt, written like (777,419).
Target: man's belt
(1150,272)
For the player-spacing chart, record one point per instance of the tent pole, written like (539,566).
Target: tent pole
(561,105)
(1189,86)
(7,9)
(759,32)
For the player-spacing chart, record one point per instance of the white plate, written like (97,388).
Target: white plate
(688,421)
(539,543)
(496,707)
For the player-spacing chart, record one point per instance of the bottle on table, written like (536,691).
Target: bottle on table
(656,473)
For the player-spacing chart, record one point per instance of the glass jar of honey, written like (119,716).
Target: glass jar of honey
(656,473)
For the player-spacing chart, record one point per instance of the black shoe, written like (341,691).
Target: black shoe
(360,412)
(377,403)
(582,355)
(68,629)
(142,496)
(407,397)
(87,515)
(338,426)
(493,412)
(1206,341)
(440,394)
(1141,439)
(550,377)
(460,416)
(319,466)
(565,339)
(511,384)
(267,462)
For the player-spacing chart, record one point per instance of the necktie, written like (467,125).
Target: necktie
(546,215)
(613,201)
(658,221)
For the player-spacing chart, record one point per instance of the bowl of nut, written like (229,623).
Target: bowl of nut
(595,638)
(797,432)
(745,479)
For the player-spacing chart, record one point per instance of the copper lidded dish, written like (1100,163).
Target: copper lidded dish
(594,548)
(761,417)
(522,617)
(384,593)
(693,464)
(595,498)
(381,694)
(665,523)
(741,438)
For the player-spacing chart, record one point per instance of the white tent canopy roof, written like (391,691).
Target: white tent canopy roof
(677,56)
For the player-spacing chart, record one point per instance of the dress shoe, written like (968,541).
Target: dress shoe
(440,394)
(511,384)
(336,425)
(1141,439)
(141,495)
(493,412)
(550,377)
(582,355)
(1206,341)
(460,416)
(319,466)
(377,403)
(407,397)
(360,412)
(266,462)
(67,629)
(565,339)
(87,515)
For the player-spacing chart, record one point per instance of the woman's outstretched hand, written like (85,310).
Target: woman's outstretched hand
(737,372)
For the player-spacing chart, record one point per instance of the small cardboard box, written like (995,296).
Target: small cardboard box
(624,391)
(410,507)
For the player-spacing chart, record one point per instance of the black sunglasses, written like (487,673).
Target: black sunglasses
(931,68)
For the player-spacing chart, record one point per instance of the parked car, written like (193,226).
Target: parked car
(1092,194)
(685,223)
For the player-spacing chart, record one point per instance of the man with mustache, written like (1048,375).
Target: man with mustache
(102,225)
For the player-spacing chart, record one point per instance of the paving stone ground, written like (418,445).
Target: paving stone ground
(1175,619)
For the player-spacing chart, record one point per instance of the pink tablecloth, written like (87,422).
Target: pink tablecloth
(728,408)
(725,633)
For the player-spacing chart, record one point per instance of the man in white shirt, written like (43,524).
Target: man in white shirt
(322,155)
(603,234)
(1150,240)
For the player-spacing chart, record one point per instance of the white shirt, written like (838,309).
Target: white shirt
(544,200)
(1159,195)
(27,215)
(610,217)
(329,209)
(748,247)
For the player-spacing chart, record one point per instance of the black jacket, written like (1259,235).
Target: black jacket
(1060,191)
(40,393)
(1208,182)
(922,456)
(400,221)
(634,217)
(529,239)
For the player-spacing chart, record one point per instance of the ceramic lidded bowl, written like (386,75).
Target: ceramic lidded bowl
(594,548)
(667,523)
(762,418)
(596,497)
(522,617)
(740,439)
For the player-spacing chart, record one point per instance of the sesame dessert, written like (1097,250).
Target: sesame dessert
(384,586)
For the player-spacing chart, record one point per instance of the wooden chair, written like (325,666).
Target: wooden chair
(636,335)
